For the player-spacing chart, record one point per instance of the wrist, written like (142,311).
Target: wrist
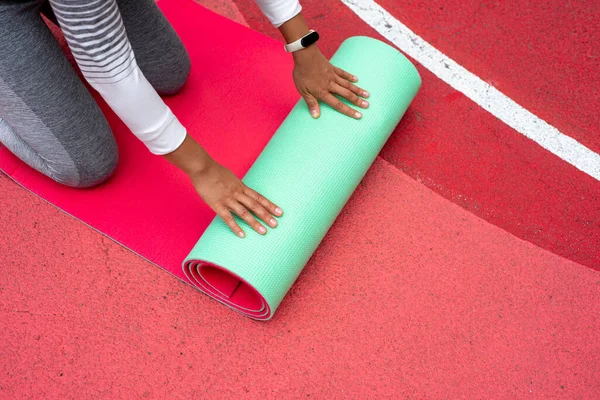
(199,168)
(306,53)
(191,158)
(300,41)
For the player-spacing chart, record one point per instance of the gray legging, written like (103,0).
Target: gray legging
(47,116)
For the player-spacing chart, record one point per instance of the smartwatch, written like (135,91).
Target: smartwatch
(310,38)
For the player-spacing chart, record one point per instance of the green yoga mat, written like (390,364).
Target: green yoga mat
(310,168)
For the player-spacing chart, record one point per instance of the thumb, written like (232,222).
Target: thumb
(313,105)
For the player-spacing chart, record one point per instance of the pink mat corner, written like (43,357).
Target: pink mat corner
(239,91)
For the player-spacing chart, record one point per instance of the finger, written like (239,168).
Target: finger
(266,203)
(336,104)
(247,216)
(313,105)
(352,87)
(225,214)
(348,95)
(257,209)
(346,75)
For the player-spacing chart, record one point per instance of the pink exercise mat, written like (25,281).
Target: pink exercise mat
(149,206)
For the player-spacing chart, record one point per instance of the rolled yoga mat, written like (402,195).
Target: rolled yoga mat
(310,167)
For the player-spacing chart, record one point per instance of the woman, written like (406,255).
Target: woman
(129,53)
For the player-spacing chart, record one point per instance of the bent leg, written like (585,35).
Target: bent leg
(158,50)
(48,118)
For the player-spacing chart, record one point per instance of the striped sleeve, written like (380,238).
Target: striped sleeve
(96,35)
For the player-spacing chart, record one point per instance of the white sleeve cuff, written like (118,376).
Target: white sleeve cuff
(279,11)
(138,105)
(168,137)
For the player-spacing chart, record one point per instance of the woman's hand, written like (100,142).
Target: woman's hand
(225,193)
(222,190)
(317,79)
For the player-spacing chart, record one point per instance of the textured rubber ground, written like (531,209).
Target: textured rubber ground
(309,168)
(409,296)
(462,309)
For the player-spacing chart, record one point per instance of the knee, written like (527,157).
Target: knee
(159,51)
(98,170)
(173,78)
(167,70)
(94,172)
(181,77)
(92,162)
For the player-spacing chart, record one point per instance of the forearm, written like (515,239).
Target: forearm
(96,36)
(190,157)
(138,105)
(294,28)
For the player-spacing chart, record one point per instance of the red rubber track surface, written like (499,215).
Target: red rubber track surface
(467,308)
(454,147)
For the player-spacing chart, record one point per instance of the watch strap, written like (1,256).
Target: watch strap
(310,38)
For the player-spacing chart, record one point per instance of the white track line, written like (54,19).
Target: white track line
(481,92)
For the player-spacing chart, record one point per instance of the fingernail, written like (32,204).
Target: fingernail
(366,94)
(262,229)
(355,79)
(357,114)
(272,222)
(278,211)
(365,103)
(314,113)
(241,234)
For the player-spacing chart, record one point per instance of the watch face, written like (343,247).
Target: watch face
(309,39)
